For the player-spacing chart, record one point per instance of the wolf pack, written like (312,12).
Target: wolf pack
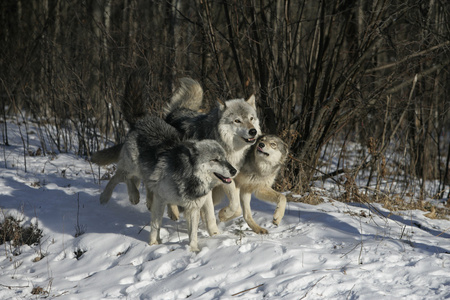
(189,160)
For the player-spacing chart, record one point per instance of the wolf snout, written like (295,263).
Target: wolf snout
(261,145)
(252,132)
(233,171)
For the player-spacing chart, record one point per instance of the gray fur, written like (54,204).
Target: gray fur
(188,95)
(138,98)
(107,156)
(180,173)
(234,125)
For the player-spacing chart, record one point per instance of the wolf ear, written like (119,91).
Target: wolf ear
(221,104)
(251,101)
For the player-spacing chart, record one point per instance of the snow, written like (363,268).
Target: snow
(332,250)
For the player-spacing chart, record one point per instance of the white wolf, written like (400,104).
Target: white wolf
(234,124)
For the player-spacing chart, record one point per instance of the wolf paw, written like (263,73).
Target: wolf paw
(276,221)
(134,200)
(225,214)
(104,198)
(151,243)
(213,233)
(194,249)
(261,230)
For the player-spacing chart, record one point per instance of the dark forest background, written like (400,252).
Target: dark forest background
(325,73)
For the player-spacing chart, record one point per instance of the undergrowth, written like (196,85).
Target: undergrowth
(12,232)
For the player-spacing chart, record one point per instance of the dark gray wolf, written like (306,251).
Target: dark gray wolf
(180,173)
(261,167)
(134,106)
(233,124)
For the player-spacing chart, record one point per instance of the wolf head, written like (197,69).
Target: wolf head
(270,149)
(239,123)
(211,160)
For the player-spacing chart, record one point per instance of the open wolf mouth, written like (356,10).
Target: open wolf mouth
(260,150)
(226,180)
(250,140)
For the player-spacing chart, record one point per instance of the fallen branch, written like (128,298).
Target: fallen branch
(248,289)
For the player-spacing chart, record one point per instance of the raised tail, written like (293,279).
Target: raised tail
(136,101)
(107,156)
(188,95)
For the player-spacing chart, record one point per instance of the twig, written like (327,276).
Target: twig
(144,227)
(14,286)
(345,254)
(443,232)
(304,296)
(255,287)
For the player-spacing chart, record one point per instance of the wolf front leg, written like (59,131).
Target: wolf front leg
(247,212)
(207,213)
(192,217)
(269,195)
(233,209)
(157,211)
(115,180)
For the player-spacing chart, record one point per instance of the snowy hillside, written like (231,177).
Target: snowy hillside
(328,251)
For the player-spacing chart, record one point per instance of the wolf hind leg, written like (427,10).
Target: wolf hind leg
(149,198)
(157,211)
(133,189)
(269,195)
(247,212)
(113,182)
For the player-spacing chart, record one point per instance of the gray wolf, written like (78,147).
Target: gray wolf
(261,167)
(180,173)
(234,124)
(126,156)
(134,105)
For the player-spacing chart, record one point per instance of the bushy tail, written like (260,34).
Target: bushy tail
(188,95)
(136,100)
(107,156)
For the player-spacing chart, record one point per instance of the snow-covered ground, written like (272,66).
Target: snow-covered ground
(328,251)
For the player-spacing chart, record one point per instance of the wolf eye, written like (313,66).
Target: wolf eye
(251,118)
(237,121)
(273,145)
(215,160)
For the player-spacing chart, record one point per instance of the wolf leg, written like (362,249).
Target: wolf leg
(217,195)
(233,209)
(157,212)
(247,212)
(148,198)
(207,213)
(268,194)
(192,217)
(173,212)
(133,189)
(115,180)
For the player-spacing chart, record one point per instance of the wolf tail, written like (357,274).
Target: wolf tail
(189,95)
(136,101)
(107,156)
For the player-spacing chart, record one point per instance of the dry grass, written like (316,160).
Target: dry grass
(18,235)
